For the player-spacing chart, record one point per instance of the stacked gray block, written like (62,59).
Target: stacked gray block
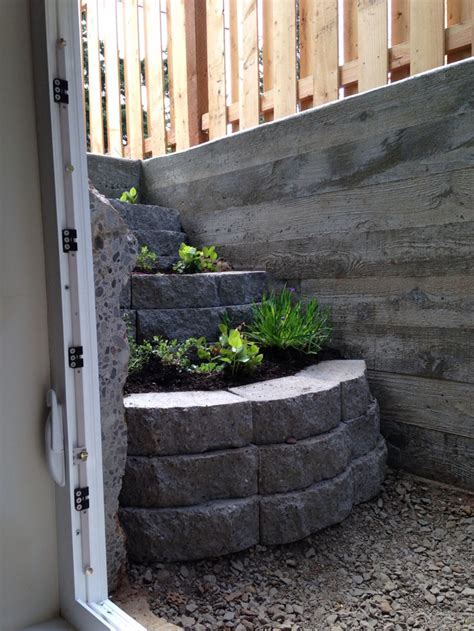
(193,305)
(158,482)
(207,530)
(211,473)
(171,423)
(291,408)
(157,227)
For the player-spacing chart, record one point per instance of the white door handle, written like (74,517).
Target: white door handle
(54,439)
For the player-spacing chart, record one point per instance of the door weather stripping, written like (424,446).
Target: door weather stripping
(75,352)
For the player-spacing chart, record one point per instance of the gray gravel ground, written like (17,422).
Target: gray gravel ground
(402,561)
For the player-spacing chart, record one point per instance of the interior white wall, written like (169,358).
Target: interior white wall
(28,553)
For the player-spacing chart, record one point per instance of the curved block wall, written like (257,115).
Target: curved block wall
(210,473)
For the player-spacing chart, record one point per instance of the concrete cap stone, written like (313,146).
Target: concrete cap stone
(184,399)
(174,423)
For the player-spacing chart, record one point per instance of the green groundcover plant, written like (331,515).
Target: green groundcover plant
(280,321)
(192,260)
(146,259)
(233,353)
(129,197)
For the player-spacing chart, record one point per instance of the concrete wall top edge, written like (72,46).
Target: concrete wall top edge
(461,72)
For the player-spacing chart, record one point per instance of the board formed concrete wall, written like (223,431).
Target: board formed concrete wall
(367,204)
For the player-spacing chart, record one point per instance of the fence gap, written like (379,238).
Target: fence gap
(96,129)
(351,40)
(133,84)
(112,80)
(307,11)
(400,17)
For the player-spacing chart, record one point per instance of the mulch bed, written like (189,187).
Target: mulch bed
(158,377)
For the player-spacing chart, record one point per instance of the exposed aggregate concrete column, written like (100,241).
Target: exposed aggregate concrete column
(114,251)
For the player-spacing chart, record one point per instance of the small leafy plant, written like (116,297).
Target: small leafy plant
(174,352)
(146,259)
(140,355)
(282,322)
(129,197)
(236,352)
(193,261)
(232,353)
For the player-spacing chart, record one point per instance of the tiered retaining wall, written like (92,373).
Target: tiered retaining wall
(190,305)
(209,473)
(367,204)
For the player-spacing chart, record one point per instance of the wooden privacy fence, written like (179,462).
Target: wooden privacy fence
(161,75)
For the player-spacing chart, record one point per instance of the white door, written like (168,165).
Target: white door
(74,438)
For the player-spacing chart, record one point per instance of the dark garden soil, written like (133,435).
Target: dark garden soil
(158,377)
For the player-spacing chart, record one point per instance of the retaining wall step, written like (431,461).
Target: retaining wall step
(290,467)
(368,473)
(180,291)
(292,516)
(190,479)
(363,431)
(352,375)
(146,217)
(165,243)
(288,517)
(292,408)
(201,464)
(196,532)
(183,323)
(172,423)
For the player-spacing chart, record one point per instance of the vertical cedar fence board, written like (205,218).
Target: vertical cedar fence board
(164,75)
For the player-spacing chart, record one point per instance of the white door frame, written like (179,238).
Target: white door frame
(72,318)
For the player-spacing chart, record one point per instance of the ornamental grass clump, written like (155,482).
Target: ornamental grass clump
(282,322)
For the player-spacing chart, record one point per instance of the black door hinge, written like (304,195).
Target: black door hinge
(75,357)
(61,91)
(69,240)
(81,498)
